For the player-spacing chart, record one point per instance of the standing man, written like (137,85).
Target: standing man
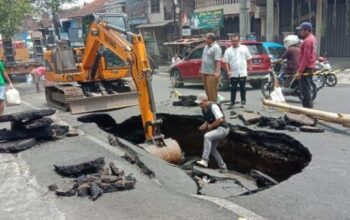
(211,67)
(3,76)
(307,62)
(237,60)
(216,129)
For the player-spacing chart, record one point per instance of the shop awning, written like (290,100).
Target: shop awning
(185,42)
(160,24)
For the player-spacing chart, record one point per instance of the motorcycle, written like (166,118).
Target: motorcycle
(290,86)
(324,75)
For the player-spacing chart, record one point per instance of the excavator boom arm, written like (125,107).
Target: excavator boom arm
(133,54)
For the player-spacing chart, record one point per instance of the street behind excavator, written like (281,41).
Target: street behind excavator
(111,71)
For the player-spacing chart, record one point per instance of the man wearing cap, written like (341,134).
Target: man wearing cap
(306,62)
(216,129)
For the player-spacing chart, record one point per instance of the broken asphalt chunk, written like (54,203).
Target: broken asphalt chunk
(299,119)
(95,191)
(262,179)
(66,193)
(109,179)
(27,115)
(92,166)
(44,133)
(249,118)
(115,170)
(187,101)
(83,190)
(52,187)
(311,129)
(17,146)
(33,124)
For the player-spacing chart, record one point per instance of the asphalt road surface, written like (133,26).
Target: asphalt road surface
(320,191)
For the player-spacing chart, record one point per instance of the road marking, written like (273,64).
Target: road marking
(239,210)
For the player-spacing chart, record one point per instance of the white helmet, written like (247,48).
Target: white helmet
(291,40)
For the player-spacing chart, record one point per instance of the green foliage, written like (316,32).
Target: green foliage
(12,13)
(53,5)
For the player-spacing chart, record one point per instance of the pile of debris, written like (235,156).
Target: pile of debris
(289,122)
(186,101)
(92,179)
(28,128)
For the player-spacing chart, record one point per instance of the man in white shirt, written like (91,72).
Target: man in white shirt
(237,59)
(216,129)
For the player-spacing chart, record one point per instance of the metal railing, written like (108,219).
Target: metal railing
(210,3)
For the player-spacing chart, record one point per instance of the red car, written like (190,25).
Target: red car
(187,71)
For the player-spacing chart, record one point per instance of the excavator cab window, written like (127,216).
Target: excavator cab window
(117,20)
(112,60)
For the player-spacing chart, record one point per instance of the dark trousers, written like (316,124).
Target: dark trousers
(234,83)
(305,84)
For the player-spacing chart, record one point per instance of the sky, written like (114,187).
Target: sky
(78,3)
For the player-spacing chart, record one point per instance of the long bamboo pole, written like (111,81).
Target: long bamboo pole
(343,119)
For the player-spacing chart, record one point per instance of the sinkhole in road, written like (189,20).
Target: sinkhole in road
(276,154)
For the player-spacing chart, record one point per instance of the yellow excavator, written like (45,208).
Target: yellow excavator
(97,77)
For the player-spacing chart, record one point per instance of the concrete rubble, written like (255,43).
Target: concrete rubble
(290,121)
(92,179)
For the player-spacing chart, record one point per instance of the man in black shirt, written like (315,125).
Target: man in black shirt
(216,129)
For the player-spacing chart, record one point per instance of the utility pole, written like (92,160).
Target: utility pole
(269,19)
(181,7)
(243,19)
(177,15)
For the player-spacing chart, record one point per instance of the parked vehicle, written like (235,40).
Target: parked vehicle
(290,86)
(187,71)
(324,75)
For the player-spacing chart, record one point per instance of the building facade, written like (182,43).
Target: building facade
(255,13)
(162,26)
(331,19)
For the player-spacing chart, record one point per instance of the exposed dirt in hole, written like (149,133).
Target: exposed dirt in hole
(276,154)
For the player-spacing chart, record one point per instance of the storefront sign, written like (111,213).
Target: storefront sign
(148,36)
(186,32)
(209,20)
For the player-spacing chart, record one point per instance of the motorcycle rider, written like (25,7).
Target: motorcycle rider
(291,42)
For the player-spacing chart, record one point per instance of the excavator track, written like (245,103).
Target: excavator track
(68,97)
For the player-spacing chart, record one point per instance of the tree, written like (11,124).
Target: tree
(53,7)
(12,13)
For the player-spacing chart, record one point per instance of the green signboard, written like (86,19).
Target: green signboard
(208,20)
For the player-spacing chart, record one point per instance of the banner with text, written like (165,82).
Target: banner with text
(208,20)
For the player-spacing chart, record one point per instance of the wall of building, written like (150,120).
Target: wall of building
(156,17)
(230,7)
(335,29)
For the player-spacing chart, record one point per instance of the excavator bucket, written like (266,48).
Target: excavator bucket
(171,152)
